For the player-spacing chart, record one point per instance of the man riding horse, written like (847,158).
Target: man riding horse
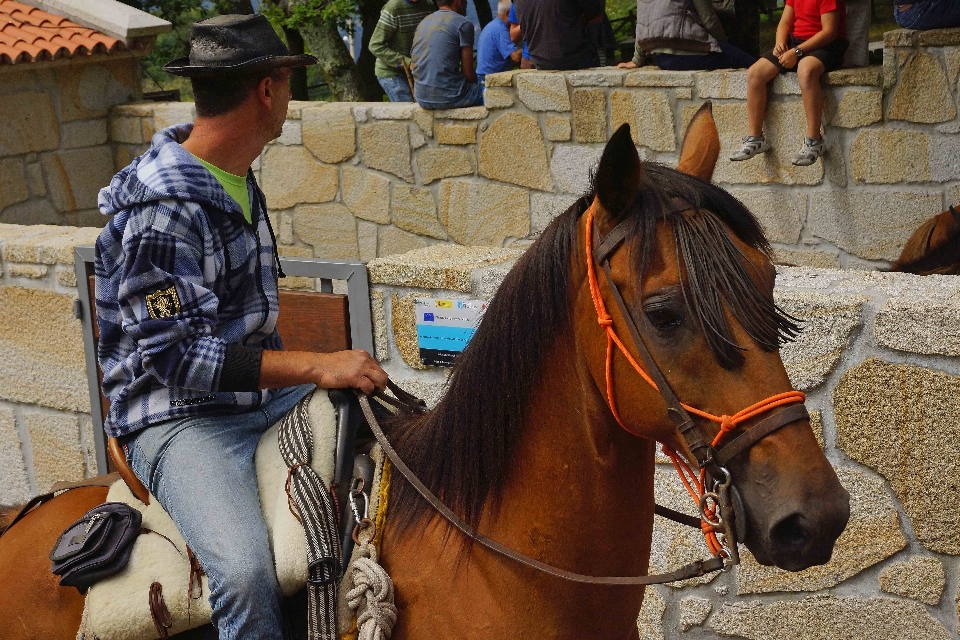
(186,295)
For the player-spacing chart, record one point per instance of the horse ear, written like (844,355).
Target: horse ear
(618,176)
(701,145)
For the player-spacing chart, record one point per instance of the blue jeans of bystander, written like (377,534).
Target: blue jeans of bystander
(397,88)
(928,14)
(472,98)
(201,470)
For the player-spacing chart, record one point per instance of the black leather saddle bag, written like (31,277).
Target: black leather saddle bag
(96,546)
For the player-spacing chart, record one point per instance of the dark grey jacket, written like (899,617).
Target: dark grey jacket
(677,25)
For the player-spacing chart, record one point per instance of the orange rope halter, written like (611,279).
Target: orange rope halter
(693,484)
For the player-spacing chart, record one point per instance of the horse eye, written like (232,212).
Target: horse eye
(663,317)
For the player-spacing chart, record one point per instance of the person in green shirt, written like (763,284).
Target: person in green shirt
(391,42)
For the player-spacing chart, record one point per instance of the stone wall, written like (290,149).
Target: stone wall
(54,149)
(372,180)
(877,359)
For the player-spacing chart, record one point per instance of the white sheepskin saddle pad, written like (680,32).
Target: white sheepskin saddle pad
(118,608)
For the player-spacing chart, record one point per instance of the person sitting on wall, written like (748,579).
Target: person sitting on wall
(683,37)
(186,282)
(811,40)
(442,56)
(556,32)
(516,35)
(926,14)
(391,41)
(496,52)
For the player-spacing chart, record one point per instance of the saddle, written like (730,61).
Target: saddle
(131,606)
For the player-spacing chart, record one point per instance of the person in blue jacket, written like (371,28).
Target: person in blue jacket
(496,52)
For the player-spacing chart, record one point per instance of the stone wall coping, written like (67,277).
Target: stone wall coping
(652,76)
(43,244)
(894,285)
(148,109)
(447,266)
(929,38)
(134,109)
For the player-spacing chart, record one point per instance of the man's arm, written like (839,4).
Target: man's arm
(709,19)
(172,316)
(354,369)
(638,58)
(379,42)
(507,48)
(466,51)
(466,60)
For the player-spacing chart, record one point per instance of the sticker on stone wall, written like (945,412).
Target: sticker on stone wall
(445,327)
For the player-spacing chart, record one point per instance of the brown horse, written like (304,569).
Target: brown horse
(933,248)
(525,446)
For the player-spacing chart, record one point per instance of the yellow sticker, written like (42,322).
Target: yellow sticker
(164,303)
(445,304)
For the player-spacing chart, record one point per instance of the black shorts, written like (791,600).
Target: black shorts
(831,55)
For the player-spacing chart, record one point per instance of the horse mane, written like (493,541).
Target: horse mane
(7,514)
(463,448)
(922,256)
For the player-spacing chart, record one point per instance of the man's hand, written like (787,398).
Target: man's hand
(340,370)
(779,48)
(788,59)
(351,369)
(629,64)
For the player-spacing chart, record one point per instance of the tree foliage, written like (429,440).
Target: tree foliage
(290,15)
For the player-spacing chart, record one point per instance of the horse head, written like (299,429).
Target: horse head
(934,248)
(693,273)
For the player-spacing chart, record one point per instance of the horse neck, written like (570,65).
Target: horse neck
(579,494)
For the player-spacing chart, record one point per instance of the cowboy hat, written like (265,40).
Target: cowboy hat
(234,44)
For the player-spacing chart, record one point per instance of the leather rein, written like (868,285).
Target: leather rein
(718,507)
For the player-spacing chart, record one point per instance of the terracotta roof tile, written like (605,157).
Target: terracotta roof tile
(28,34)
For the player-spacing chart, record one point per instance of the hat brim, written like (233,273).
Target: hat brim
(182,66)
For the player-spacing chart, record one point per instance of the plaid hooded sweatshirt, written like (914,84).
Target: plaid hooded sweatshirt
(186,291)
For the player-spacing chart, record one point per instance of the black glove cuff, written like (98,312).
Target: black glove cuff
(241,369)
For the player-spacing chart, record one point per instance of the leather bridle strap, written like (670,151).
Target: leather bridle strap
(691,570)
(759,431)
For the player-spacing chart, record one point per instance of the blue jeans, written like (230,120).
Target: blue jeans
(730,57)
(473,97)
(397,88)
(201,470)
(928,14)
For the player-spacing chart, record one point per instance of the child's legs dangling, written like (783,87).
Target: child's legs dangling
(758,76)
(809,71)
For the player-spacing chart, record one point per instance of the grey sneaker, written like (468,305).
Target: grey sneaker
(809,152)
(752,145)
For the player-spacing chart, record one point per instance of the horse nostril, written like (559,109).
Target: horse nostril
(790,536)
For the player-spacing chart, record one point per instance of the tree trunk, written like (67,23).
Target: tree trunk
(298,75)
(484,13)
(369,16)
(336,64)
(244,7)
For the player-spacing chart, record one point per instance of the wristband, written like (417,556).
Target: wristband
(799,52)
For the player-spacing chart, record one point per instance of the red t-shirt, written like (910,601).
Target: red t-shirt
(808,12)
